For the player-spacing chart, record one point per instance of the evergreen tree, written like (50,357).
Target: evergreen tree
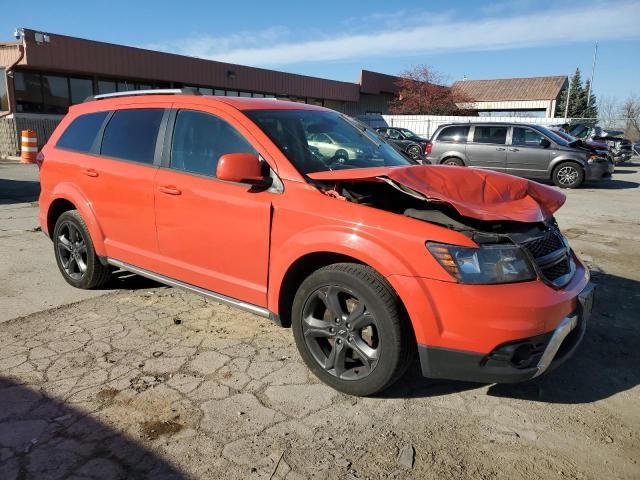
(561,102)
(577,96)
(592,110)
(577,93)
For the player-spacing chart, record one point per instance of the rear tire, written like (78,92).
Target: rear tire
(414,151)
(350,330)
(75,255)
(568,175)
(453,161)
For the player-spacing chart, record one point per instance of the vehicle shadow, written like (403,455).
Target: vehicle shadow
(606,363)
(123,280)
(18,191)
(611,184)
(42,437)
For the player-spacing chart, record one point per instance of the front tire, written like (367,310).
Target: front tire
(568,175)
(349,329)
(75,255)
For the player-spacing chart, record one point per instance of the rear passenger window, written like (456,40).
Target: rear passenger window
(200,139)
(488,134)
(457,134)
(81,133)
(131,135)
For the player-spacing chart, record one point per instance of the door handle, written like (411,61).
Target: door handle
(169,190)
(514,149)
(500,149)
(89,172)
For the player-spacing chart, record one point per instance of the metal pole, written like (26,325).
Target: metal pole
(566,105)
(593,72)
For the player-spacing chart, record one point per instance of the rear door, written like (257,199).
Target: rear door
(527,156)
(488,148)
(450,142)
(211,233)
(118,181)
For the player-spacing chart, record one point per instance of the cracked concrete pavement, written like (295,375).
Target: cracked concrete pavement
(144,381)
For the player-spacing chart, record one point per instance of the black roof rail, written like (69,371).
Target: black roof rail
(135,93)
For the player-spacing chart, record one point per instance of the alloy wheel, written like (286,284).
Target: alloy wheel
(72,250)
(567,175)
(341,333)
(413,151)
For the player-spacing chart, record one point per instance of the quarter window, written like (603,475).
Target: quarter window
(490,134)
(132,134)
(200,139)
(456,134)
(82,132)
(526,137)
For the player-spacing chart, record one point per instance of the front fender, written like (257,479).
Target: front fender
(566,158)
(337,240)
(71,193)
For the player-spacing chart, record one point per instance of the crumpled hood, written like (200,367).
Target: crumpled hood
(480,194)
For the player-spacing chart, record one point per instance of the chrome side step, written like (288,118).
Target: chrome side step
(218,297)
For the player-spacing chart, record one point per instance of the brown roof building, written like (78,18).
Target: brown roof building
(529,96)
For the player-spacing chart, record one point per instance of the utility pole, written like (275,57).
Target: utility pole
(593,72)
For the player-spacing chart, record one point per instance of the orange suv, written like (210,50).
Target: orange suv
(367,257)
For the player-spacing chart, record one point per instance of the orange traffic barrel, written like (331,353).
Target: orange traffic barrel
(28,146)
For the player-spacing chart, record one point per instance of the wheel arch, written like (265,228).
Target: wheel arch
(67,197)
(557,161)
(304,266)
(445,156)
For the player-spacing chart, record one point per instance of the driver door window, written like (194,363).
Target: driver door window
(394,134)
(525,137)
(200,139)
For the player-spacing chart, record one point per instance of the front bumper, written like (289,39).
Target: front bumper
(597,170)
(513,361)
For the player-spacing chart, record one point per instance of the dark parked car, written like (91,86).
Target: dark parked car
(620,148)
(410,143)
(530,151)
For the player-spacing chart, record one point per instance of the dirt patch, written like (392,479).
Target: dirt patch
(154,429)
(107,395)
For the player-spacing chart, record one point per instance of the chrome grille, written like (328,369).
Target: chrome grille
(545,245)
(551,256)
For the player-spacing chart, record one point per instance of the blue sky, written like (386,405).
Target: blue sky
(335,39)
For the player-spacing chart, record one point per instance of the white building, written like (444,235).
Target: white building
(534,97)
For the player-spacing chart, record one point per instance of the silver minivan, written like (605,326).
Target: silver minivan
(525,150)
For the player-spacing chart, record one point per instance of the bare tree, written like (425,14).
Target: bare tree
(631,111)
(609,112)
(422,90)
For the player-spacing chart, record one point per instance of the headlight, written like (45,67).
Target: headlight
(487,264)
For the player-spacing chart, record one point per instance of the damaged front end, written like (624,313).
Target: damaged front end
(500,213)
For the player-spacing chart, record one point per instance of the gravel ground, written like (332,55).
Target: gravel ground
(147,381)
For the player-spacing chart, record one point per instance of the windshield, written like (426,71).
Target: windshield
(408,132)
(316,141)
(553,135)
(564,135)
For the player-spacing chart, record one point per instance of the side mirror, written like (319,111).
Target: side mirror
(545,143)
(240,167)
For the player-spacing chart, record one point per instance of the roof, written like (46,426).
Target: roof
(506,89)
(63,53)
